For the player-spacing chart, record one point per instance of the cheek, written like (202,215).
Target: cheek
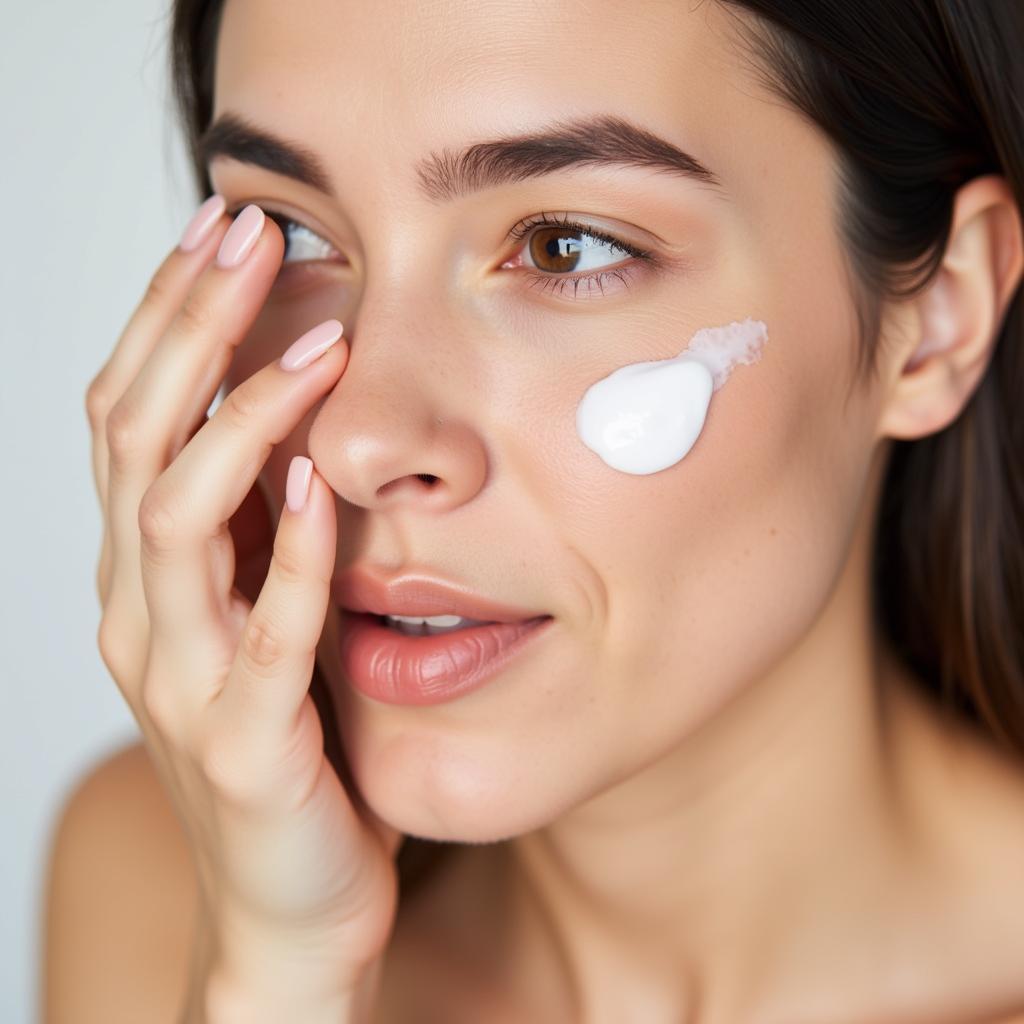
(712,569)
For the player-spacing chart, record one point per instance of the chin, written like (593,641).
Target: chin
(440,789)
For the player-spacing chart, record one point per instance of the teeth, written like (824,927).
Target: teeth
(428,625)
(430,620)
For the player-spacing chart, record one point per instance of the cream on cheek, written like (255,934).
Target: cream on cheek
(646,416)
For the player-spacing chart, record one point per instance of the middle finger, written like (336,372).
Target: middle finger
(184,514)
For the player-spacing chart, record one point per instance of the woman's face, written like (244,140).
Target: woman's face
(671,592)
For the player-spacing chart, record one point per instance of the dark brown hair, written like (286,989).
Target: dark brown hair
(918,97)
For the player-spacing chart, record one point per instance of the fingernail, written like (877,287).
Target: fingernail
(241,237)
(312,345)
(296,489)
(202,221)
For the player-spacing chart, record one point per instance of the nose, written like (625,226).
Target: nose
(401,428)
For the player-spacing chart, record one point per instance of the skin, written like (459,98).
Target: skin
(722,797)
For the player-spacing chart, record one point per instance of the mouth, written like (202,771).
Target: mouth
(390,665)
(423,640)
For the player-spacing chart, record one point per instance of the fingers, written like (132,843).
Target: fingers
(178,381)
(166,291)
(176,384)
(270,677)
(183,516)
(164,295)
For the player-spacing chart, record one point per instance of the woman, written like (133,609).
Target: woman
(678,349)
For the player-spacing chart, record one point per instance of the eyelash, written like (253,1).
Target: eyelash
(560,282)
(550,281)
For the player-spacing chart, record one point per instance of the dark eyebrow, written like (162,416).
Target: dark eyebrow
(602,140)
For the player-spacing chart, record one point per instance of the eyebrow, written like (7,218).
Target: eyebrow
(599,141)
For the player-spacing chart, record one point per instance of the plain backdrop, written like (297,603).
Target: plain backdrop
(95,192)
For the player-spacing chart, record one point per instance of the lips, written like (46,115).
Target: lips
(398,669)
(360,590)
(395,669)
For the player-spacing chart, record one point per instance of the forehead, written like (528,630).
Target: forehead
(403,75)
(375,86)
(426,49)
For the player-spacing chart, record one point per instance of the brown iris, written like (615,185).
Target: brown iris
(559,246)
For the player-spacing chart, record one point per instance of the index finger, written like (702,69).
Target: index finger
(164,295)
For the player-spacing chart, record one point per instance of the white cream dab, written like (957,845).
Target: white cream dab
(645,417)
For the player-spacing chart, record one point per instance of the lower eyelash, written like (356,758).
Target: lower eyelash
(555,283)
(559,282)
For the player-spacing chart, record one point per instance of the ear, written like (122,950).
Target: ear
(952,327)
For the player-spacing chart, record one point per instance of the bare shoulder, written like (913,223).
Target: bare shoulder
(121,909)
(970,795)
(120,899)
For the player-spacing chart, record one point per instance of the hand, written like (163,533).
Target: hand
(297,884)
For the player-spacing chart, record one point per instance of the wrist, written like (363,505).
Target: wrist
(228,998)
(249,978)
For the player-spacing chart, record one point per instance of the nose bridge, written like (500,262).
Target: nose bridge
(399,428)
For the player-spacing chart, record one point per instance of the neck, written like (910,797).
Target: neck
(734,862)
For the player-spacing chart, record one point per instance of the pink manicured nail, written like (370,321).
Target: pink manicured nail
(241,237)
(312,345)
(202,221)
(296,489)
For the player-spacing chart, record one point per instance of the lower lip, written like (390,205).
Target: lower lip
(398,669)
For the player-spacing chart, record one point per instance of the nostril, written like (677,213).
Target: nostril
(405,481)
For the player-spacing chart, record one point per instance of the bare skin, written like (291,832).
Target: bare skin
(711,796)
(734,812)
(448,958)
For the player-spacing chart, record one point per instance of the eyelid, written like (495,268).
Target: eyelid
(570,222)
(278,215)
(517,232)
(640,259)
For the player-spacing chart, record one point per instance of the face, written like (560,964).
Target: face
(471,350)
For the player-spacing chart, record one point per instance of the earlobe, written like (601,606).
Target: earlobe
(958,316)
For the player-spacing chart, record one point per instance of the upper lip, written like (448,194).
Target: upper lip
(361,590)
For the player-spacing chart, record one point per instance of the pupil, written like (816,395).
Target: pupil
(557,245)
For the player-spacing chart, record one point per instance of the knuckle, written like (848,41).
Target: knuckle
(160,288)
(97,403)
(239,408)
(160,705)
(263,645)
(195,315)
(108,640)
(124,434)
(158,526)
(288,566)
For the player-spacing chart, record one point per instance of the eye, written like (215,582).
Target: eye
(301,244)
(562,245)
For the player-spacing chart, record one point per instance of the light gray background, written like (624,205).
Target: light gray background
(95,193)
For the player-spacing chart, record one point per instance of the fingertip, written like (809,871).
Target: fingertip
(204,220)
(321,492)
(297,486)
(308,494)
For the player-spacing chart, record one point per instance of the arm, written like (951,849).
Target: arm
(125,939)
(119,903)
